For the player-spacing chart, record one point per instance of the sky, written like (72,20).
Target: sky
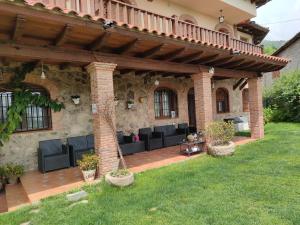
(282,17)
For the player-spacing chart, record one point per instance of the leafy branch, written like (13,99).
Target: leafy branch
(22,98)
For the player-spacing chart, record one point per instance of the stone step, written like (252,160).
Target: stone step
(16,196)
(3,204)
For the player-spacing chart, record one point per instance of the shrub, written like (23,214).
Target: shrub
(268,115)
(284,98)
(13,170)
(88,162)
(120,173)
(220,133)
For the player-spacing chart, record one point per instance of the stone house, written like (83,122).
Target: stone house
(290,50)
(178,61)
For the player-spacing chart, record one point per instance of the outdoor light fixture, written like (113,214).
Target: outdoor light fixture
(211,70)
(156,83)
(235,52)
(108,24)
(43,75)
(221,18)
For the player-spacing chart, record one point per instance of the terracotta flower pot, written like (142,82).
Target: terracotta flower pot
(123,181)
(221,150)
(89,175)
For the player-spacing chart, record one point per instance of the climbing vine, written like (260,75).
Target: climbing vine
(22,97)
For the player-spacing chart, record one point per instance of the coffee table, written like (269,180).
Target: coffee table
(191,147)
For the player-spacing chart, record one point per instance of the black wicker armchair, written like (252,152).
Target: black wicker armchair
(52,155)
(153,140)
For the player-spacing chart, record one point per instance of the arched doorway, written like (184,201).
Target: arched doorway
(191,107)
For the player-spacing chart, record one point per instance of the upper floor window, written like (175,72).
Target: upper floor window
(35,118)
(245,96)
(165,103)
(222,100)
(244,39)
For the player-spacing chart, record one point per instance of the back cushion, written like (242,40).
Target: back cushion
(147,131)
(183,126)
(167,130)
(90,141)
(51,147)
(78,143)
(120,137)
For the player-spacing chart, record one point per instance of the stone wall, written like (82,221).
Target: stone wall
(71,121)
(235,100)
(77,120)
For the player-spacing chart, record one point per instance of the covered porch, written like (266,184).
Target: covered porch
(86,57)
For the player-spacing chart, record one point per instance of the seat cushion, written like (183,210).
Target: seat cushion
(183,126)
(173,140)
(131,148)
(168,130)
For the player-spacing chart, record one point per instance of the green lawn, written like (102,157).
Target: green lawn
(260,184)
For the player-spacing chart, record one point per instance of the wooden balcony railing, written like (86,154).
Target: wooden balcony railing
(133,16)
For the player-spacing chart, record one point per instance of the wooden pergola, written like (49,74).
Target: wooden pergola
(33,33)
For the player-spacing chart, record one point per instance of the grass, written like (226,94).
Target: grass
(245,133)
(258,185)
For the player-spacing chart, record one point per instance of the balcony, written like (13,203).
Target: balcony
(134,17)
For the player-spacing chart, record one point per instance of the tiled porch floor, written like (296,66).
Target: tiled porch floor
(35,185)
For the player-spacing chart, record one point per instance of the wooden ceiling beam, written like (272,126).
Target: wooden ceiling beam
(254,66)
(126,47)
(237,84)
(151,52)
(246,64)
(62,38)
(99,42)
(19,28)
(82,57)
(172,55)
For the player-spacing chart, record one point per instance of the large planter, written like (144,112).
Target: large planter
(221,150)
(89,175)
(123,181)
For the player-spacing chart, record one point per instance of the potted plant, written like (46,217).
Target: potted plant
(219,136)
(13,172)
(130,104)
(76,99)
(120,177)
(88,165)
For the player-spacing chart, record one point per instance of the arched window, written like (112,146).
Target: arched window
(245,95)
(35,118)
(222,98)
(165,103)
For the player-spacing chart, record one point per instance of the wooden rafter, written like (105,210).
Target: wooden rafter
(99,42)
(254,66)
(63,35)
(232,64)
(151,52)
(220,61)
(244,84)
(18,28)
(126,47)
(83,57)
(172,55)
(207,59)
(190,58)
(237,84)
(246,64)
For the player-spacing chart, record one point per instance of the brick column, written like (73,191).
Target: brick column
(256,108)
(203,99)
(101,75)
